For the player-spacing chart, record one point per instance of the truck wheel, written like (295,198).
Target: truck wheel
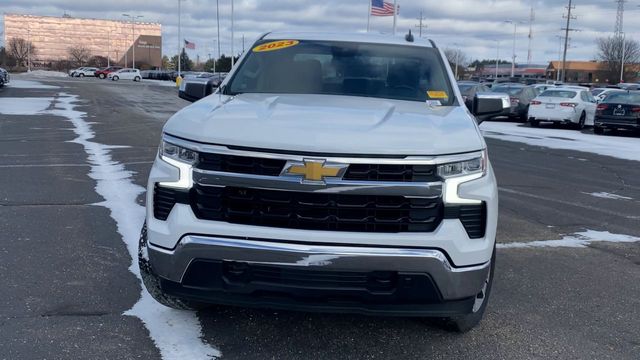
(152,282)
(534,123)
(102,76)
(464,323)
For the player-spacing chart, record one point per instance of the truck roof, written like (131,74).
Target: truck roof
(348,37)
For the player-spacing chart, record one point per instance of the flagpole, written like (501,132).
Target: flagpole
(369,16)
(395,15)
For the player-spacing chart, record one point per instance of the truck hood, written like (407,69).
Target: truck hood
(328,124)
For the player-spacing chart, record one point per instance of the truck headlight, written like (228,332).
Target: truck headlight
(183,159)
(179,153)
(457,173)
(476,165)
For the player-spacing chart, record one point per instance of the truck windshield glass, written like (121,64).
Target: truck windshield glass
(402,72)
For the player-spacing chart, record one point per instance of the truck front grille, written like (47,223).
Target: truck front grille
(313,211)
(355,172)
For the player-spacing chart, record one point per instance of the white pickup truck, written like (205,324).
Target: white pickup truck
(328,172)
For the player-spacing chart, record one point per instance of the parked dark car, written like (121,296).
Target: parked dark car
(619,111)
(195,88)
(103,72)
(469,89)
(4,77)
(520,96)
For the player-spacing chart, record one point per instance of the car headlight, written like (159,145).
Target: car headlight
(476,165)
(179,153)
(183,159)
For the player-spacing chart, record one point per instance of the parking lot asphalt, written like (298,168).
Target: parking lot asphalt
(66,284)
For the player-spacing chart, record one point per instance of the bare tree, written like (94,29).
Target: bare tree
(610,53)
(20,49)
(457,59)
(79,54)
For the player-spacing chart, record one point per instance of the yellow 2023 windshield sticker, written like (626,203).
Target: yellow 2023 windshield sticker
(275,45)
(437,94)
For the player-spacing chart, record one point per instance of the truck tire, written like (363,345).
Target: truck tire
(152,282)
(464,323)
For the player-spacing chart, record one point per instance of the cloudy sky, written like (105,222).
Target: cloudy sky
(475,26)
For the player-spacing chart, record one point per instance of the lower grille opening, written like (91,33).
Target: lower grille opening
(310,283)
(314,211)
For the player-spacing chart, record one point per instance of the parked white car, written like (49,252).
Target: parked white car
(72,72)
(125,74)
(85,71)
(565,105)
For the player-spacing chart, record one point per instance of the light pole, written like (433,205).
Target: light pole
(214,59)
(179,37)
(29,50)
(513,61)
(233,56)
(623,38)
(497,57)
(109,48)
(218,25)
(133,32)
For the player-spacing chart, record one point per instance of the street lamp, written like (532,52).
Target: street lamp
(133,32)
(513,61)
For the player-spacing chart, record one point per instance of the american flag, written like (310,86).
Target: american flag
(189,45)
(381,8)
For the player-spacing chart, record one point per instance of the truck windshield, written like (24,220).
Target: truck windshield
(402,72)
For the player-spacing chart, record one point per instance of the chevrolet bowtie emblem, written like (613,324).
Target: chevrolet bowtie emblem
(314,170)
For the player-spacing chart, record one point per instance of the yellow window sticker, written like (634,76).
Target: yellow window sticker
(437,95)
(276,45)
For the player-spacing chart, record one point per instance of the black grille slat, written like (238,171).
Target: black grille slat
(393,173)
(472,217)
(240,164)
(300,210)
(163,201)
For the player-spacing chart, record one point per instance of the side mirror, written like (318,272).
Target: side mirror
(194,89)
(488,105)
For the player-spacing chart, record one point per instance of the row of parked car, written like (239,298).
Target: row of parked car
(103,73)
(612,108)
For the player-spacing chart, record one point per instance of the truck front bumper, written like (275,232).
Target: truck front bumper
(309,277)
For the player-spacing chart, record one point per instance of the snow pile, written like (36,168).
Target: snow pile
(28,84)
(577,240)
(177,334)
(615,146)
(24,106)
(47,73)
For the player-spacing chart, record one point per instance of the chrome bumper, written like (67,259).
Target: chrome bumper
(453,283)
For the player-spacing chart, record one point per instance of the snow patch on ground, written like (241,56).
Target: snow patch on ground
(606,195)
(577,240)
(160,82)
(614,146)
(177,334)
(24,106)
(28,84)
(47,73)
